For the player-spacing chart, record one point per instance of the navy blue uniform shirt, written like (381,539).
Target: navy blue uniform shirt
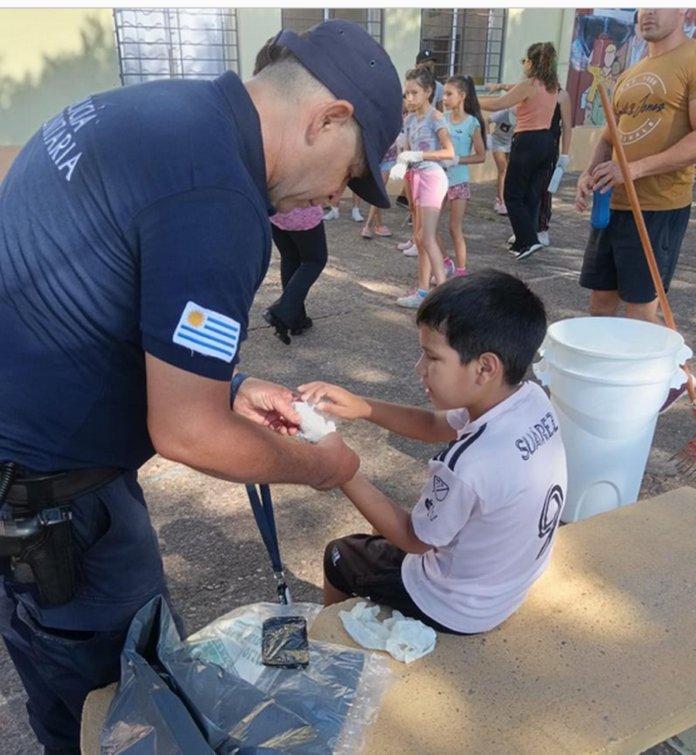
(135,221)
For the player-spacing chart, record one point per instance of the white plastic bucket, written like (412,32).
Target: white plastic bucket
(608,378)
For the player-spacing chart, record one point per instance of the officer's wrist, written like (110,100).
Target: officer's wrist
(235,385)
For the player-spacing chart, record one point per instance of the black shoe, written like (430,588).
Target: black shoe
(306,325)
(281,329)
(402,201)
(528,251)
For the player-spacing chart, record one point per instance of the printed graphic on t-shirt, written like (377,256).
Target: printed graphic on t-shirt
(440,488)
(60,136)
(430,508)
(550,514)
(641,100)
(536,436)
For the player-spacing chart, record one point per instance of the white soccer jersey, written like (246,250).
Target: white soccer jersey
(490,510)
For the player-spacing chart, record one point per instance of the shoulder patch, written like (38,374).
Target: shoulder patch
(207,332)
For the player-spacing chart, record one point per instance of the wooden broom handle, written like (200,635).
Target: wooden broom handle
(642,229)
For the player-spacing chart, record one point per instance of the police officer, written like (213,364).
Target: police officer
(134,234)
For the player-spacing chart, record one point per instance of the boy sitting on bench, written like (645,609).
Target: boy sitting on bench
(482,531)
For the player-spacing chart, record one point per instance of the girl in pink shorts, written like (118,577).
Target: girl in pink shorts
(466,128)
(427,142)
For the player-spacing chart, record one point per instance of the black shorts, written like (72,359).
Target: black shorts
(369,566)
(614,257)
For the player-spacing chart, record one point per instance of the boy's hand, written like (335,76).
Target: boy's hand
(341,403)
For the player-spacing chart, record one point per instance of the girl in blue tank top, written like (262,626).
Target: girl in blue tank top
(466,127)
(427,143)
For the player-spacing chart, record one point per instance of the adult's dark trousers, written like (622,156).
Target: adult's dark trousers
(530,157)
(62,653)
(303,256)
(546,201)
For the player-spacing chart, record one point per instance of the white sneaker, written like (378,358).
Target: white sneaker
(512,239)
(412,251)
(404,245)
(332,214)
(410,301)
(529,251)
(357,217)
(543,237)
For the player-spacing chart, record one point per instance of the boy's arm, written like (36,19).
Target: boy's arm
(410,421)
(392,522)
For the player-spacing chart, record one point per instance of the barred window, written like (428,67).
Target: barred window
(299,20)
(198,43)
(465,41)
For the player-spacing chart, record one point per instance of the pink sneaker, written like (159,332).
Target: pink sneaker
(500,207)
(366,233)
(449,267)
(382,230)
(404,245)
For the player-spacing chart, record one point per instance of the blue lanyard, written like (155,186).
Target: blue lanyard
(263,513)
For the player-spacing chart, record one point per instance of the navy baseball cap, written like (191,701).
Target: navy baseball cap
(424,55)
(356,68)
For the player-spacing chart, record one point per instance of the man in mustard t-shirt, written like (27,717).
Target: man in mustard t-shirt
(655,107)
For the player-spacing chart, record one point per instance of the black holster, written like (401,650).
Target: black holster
(40,549)
(38,538)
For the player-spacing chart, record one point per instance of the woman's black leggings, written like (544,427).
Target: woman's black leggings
(530,158)
(303,256)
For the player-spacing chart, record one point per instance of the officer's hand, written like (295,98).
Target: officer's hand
(340,462)
(268,404)
(335,400)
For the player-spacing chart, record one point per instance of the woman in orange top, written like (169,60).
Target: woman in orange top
(532,146)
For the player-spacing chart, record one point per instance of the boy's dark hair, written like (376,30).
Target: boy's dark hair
(488,311)
(425,79)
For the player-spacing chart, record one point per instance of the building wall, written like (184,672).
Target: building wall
(255,26)
(48,59)
(53,57)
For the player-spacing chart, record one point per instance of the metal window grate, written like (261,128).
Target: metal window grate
(465,41)
(195,43)
(299,20)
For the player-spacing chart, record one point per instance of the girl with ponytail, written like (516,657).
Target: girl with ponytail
(466,128)
(533,145)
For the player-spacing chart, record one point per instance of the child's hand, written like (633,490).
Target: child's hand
(341,403)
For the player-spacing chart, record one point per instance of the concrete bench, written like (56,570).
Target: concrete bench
(600,659)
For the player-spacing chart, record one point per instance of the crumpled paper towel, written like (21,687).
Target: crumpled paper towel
(405,639)
(314,424)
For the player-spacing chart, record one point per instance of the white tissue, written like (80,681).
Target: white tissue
(398,172)
(314,424)
(405,639)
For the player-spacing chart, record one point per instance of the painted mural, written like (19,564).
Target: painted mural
(606,41)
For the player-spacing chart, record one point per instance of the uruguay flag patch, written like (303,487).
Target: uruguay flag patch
(207,332)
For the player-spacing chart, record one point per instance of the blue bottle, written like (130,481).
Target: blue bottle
(600,210)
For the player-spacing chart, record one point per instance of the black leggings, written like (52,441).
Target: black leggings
(530,157)
(303,256)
